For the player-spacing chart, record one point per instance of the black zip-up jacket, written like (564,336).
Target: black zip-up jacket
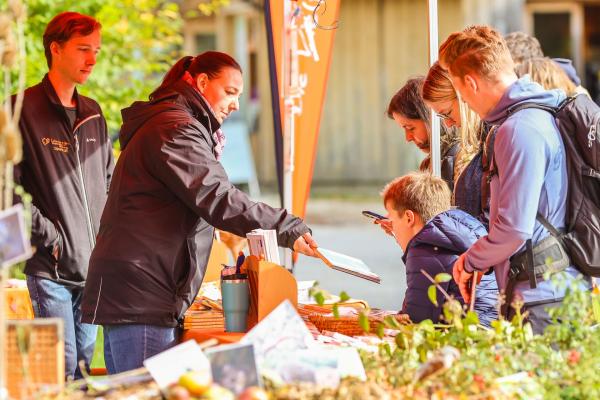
(167,194)
(67,170)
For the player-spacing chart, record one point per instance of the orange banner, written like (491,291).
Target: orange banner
(308,56)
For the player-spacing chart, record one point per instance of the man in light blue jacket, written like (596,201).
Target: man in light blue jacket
(528,174)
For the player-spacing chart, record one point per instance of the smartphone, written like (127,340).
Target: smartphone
(371,214)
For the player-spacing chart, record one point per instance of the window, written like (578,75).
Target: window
(553,30)
(205,42)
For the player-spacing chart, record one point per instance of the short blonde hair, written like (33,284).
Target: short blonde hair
(547,73)
(437,88)
(420,192)
(477,49)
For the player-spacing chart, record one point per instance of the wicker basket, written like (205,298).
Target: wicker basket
(348,324)
(42,350)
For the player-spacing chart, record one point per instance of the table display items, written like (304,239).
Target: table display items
(349,265)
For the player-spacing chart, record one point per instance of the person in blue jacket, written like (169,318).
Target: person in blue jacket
(432,237)
(528,178)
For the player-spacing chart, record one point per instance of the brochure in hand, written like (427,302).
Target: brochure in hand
(347,264)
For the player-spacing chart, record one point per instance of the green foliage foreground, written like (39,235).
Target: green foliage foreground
(460,359)
(141,39)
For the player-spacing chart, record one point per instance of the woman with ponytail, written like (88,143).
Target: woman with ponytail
(168,193)
(439,94)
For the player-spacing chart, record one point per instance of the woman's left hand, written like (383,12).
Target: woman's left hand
(305,245)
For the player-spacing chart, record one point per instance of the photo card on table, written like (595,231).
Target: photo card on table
(234,366)
(14,240)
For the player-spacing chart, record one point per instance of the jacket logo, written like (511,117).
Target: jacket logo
(57,145)
(90,140)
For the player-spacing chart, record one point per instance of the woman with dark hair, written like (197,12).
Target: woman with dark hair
(409,111)
(168,193)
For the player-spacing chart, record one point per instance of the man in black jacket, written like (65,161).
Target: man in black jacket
(67,165)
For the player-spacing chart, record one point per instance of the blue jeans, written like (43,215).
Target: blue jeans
(127,346)
(50,299)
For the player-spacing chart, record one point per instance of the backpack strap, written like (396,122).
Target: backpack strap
(489,167)
(524,106)
(551,228)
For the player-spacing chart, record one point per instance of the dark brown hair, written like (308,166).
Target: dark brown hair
(210,63)
(63,26)
(408,102)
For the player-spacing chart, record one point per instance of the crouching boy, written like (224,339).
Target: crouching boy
(432,237)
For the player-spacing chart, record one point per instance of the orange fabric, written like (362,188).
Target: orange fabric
(18,303)
(314,59)
(202,335)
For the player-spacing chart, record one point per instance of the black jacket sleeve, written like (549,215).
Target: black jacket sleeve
(43,231)
(183,160)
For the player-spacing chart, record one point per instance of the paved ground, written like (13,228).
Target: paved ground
(339,225)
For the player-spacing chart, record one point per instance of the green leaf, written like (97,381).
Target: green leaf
(443,277)
(427,325)
(363,321)
(388,349)
(471,318)
(432,294)
(319,298)
(344,297)
(23,338)
(380,330)
(391,322)
(336,311)
(596,307)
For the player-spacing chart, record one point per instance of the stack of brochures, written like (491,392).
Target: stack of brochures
(263,242)
(204,314)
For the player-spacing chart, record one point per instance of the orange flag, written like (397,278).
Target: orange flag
(309,44)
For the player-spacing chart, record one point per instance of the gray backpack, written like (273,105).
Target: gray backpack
(578,120)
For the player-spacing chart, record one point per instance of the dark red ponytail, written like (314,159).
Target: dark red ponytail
(210,63)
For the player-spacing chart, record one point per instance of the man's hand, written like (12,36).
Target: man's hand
(305,244)
(464,279)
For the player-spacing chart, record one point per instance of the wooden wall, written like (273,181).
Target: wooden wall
(378,45)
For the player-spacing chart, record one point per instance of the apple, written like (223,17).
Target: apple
(196,382)
(253,393)
(216,392)
(178,392)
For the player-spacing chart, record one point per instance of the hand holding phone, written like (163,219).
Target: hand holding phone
(373,215)
(380,220)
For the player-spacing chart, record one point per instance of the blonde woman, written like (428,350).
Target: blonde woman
(439,94)
(547,73)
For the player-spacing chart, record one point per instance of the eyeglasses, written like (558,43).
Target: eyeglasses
(445,115)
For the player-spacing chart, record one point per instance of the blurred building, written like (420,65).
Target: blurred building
(569,29)
(378,45)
